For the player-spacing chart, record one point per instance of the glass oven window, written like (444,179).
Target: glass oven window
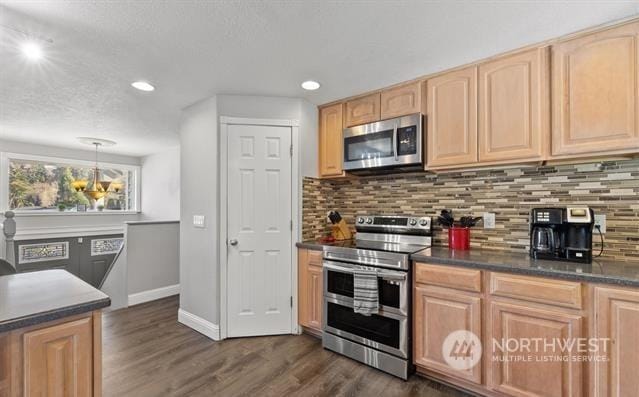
(369,146)
(379,329)
(342,284)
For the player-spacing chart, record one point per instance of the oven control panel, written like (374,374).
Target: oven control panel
(393,223)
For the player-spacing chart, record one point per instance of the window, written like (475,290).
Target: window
(40,184)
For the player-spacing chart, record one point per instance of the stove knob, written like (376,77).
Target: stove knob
(360,220)
(423,222)
(413,222)
(369,220)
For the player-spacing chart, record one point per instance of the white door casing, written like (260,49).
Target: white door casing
(259,215)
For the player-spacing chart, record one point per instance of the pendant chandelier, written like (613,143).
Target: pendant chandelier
(99,188)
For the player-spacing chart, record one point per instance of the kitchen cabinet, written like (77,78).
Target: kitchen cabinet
(362,110)
(310,289)
(595,101)
(438,312)
(514,107)
(452,118)
(331,144)
(533,376)
(58,358)
(402,100)
(617,318)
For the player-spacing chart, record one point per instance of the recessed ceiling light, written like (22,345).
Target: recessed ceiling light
(32,50)
(143,86)
(310,85)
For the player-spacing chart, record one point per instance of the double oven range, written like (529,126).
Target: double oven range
(383,244)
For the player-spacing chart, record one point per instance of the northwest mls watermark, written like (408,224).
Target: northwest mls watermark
(462,350)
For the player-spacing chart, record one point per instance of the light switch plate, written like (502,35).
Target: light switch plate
(489,220)
(198,221)
(600,220)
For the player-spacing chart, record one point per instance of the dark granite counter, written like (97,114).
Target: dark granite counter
(37,297)
(599,271)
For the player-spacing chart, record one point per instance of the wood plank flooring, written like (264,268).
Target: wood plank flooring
(148,353)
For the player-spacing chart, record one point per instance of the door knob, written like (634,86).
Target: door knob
(233,242)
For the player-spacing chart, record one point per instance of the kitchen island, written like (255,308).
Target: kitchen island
(50,335)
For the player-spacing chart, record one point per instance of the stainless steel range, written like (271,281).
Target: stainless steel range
(382,245)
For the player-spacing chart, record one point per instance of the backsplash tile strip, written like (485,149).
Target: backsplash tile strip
(610,188)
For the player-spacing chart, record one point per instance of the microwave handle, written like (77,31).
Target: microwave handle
(395,142)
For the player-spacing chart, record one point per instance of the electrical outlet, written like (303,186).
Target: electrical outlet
(600,220)
(489,220)
(198,221)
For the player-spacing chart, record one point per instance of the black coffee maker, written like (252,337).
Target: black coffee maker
(562,233)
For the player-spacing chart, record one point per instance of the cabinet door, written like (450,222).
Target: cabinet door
(452,118)
(595,104)
(58,360)
(617,318)
(400,101)
(535,375)
(310,290)
(330,141)
(514,107)
(363,110)
(438,312)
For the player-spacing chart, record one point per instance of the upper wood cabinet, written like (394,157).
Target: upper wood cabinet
(452,118)
(330,141)
(514,107)
(402,100)
(310,289)
(362,110)
(617,318)
(595,102)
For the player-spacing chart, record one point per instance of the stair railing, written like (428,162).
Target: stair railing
(9,230)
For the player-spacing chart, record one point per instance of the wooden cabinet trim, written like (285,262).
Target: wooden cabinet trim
(401,100)
(448,276)
(315,258)
(550,292)
(362,110)
(310,290)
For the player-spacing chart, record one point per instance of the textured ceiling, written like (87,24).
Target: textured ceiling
(194,49)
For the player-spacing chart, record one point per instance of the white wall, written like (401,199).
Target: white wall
(199,270)
(199,137)
(160,185)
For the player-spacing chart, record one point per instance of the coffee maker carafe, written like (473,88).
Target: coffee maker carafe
(561,234)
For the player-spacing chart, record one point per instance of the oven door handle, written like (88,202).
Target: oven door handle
(384,274)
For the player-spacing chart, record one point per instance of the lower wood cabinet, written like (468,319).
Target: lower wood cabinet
(617,318)
(57,359)
(439,312)
(310,289)
(534,375)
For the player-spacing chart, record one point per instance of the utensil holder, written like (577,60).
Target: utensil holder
(459,238)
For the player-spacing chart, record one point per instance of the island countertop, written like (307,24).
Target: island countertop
(601,270)
(33,298)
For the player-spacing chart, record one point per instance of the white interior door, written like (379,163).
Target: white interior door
(259,286)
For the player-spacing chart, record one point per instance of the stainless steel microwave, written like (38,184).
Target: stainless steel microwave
(384,144)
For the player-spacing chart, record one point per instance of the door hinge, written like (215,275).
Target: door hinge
(291,301)
(291,150)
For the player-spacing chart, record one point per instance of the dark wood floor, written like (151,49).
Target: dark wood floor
(148,353)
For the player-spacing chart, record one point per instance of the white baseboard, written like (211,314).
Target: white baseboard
(153,294)
(199,324)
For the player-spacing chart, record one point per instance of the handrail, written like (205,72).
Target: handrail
(9,231)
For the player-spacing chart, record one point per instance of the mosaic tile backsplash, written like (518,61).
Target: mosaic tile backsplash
(610,188)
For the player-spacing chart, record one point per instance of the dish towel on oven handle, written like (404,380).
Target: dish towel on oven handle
(365,292)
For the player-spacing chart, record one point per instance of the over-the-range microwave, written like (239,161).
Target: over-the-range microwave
(385,145)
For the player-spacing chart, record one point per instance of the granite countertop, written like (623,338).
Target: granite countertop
(37,297)
(608,271)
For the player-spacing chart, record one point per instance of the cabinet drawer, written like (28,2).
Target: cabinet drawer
(315,258)
(447,276)
(535,289)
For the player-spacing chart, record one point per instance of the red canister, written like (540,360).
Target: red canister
(459,238)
